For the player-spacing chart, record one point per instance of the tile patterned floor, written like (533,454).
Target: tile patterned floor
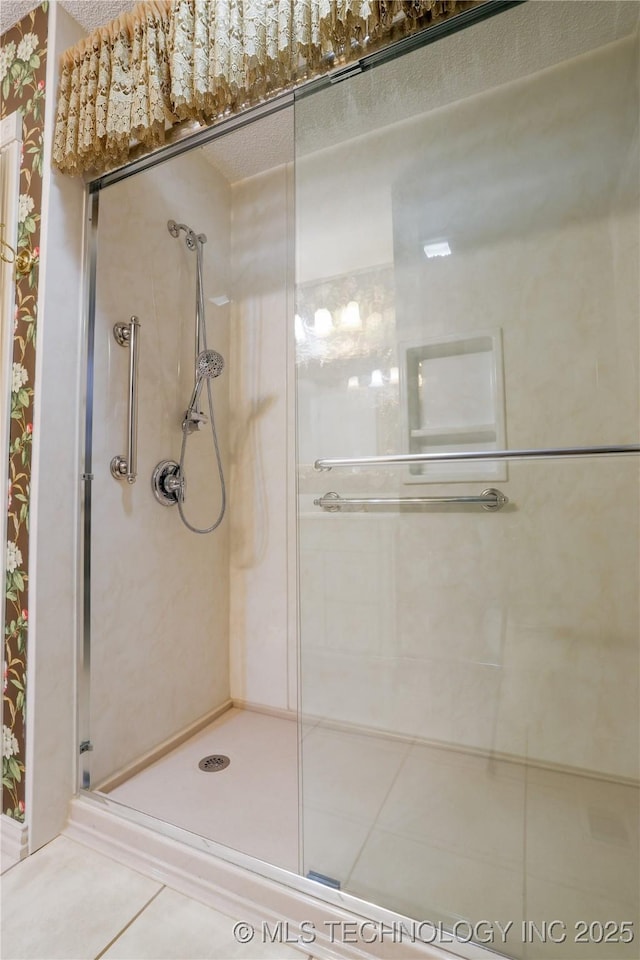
(67,902)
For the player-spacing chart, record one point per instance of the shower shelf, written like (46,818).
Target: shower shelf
(453,396)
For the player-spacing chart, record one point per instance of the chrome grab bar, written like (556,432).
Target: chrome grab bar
(560,453)
(126,467)
(490,499)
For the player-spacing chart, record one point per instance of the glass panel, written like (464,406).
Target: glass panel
(174,639)
(467,279)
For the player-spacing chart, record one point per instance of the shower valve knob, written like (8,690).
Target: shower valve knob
(174,484)
(167,483)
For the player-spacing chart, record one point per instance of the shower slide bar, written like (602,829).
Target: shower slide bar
(490,499)
(558,453)
(126,467)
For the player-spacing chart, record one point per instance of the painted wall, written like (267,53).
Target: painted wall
(514,632)
(160,610)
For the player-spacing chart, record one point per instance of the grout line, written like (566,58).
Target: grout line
(127,925)
(25,858)
(377,814)
(13,866)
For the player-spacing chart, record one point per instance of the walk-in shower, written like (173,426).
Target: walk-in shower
(417,632)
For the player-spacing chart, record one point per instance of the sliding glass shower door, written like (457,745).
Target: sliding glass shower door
(187,647)
(467,282)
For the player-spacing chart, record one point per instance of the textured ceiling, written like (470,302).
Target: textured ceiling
(88,13)
(259,146)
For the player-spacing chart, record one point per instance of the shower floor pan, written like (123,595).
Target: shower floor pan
(251,805)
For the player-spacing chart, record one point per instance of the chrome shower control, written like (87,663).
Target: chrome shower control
(167,483)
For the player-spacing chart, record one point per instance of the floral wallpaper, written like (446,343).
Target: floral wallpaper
(23,54)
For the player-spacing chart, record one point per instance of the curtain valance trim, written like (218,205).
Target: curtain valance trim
(126,24)
(130,81)
(114,90)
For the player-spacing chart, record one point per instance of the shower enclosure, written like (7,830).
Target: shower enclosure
(415,634)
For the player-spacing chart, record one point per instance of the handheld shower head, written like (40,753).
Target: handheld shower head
(209,364)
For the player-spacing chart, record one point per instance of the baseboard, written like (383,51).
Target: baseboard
(308,720)
(124,773)
(467,750)
(14,842)
(246,895)
(280,712)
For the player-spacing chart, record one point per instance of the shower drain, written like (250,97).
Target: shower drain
(214,763)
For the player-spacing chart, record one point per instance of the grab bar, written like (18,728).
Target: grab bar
(126,467)
(417,458)
(490,499)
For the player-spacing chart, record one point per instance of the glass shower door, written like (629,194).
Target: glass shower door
(467,282)
(187,635)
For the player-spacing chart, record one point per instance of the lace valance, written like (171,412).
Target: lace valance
(114,90)
(129,82)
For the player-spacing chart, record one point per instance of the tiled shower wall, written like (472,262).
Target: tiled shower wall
(23,66)
(514,632)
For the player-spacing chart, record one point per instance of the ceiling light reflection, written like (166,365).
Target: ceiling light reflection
(439,249)
(322,323)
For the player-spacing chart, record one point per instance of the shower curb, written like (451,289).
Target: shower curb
(242,893)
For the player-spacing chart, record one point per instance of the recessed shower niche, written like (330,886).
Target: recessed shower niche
(453,390)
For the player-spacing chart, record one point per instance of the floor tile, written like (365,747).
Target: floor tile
(331,843)
(473,806)
(584,833)
(349,774)
(68,902)
(174,927)
(420,881)
(576,909)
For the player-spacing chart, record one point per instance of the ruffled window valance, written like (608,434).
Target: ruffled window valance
(115,90)
(129,82)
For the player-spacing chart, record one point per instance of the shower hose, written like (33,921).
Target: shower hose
(201,325)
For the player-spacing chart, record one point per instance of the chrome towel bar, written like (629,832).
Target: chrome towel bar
(559,453)
(128,335)
(490,499)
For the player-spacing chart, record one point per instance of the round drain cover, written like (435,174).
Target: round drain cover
(214,763)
